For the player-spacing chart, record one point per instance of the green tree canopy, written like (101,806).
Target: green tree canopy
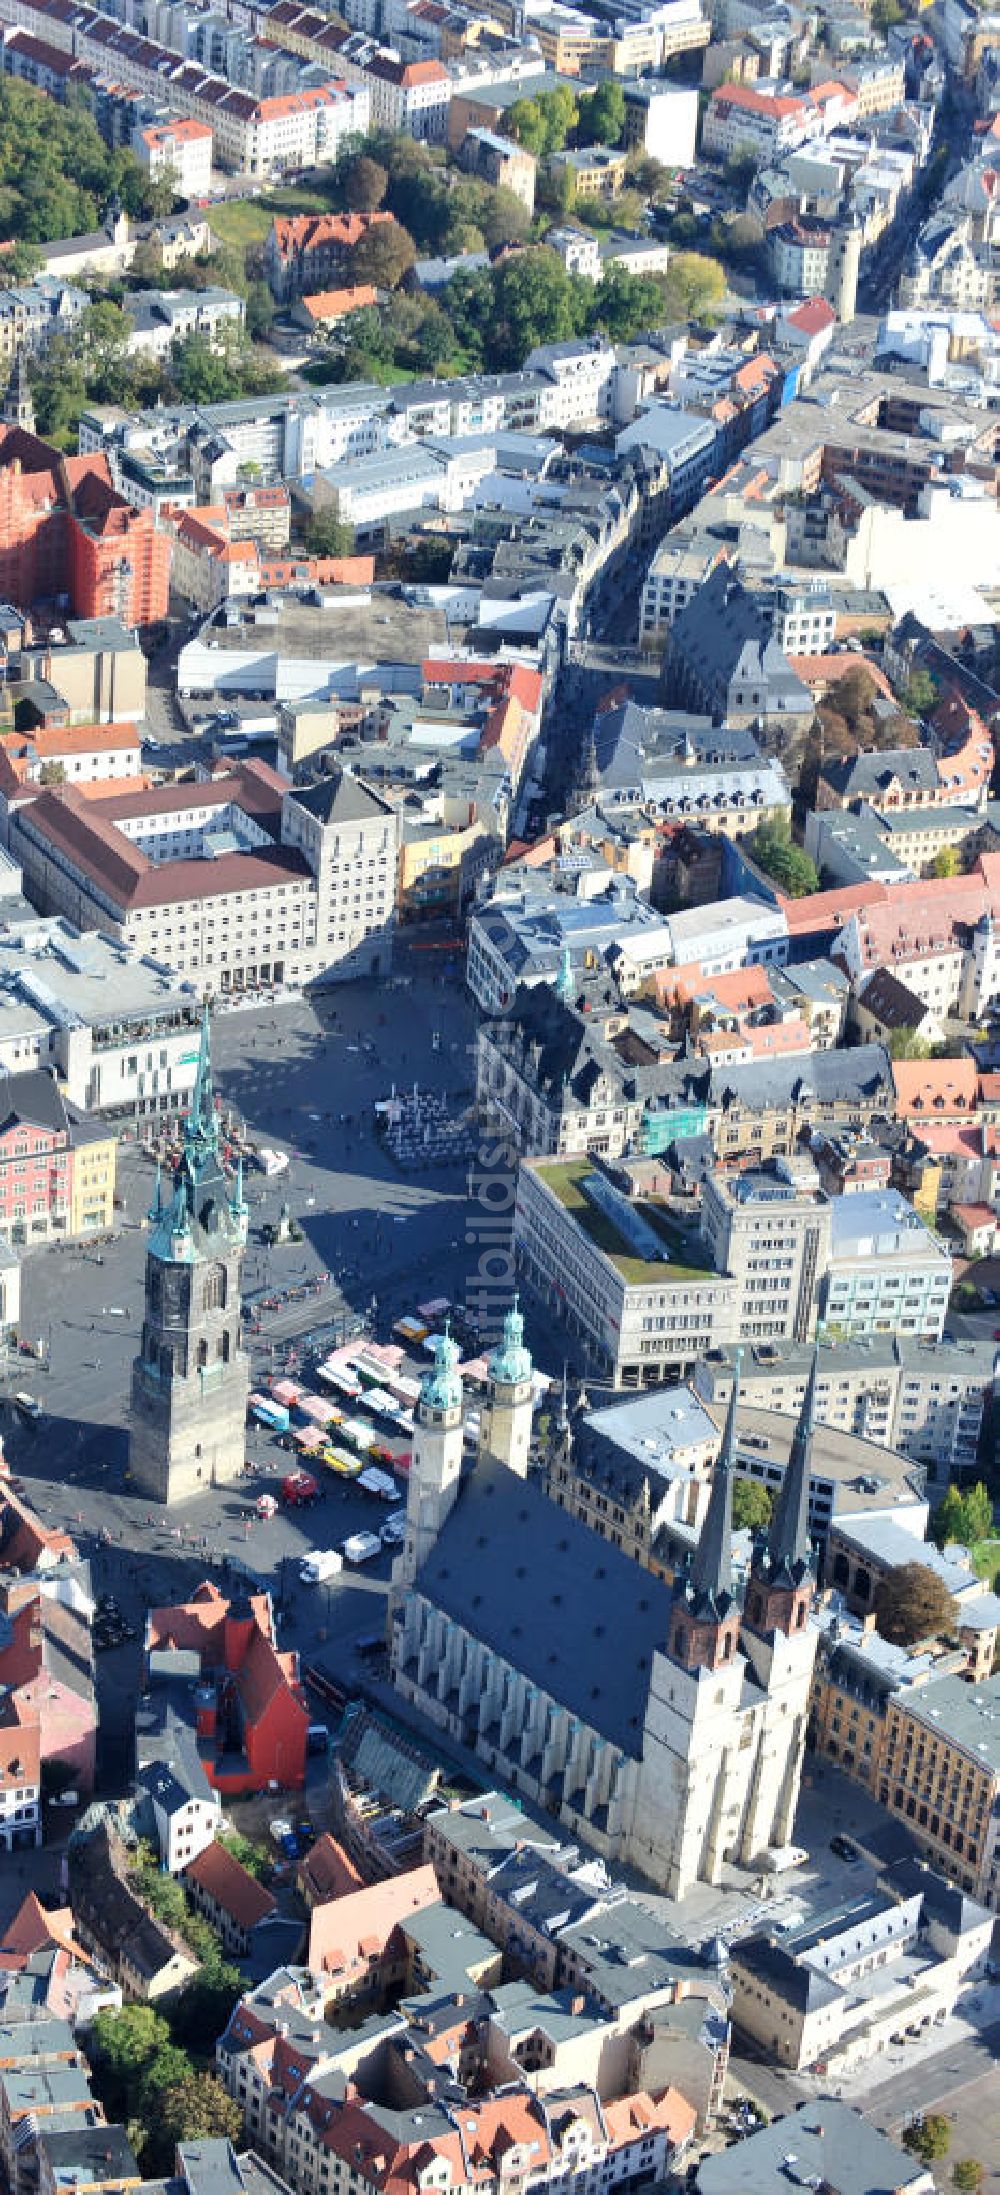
(197,2108)
(947,862)
(963,1517)
(911,1603)
(365,184)
(920,693)
(967,2175)
(908,1044)
(693,285)
(328,535)
(542,125)
(535,301)
(928,2137)
(602,117)
(382,256)
(772,848)
(752,1505)
(624,303)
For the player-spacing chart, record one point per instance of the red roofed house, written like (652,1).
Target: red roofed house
(325,309)
(251,1716)
(303,251)
(355,1940)
(326,1872)
(72,1988)
(228,1896)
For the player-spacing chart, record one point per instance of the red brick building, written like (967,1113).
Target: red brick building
(65,531)
(251,1713)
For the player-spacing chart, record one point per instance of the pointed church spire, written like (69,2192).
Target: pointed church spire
(788,1548)
(18,403)
(201,1119)
(710,1581)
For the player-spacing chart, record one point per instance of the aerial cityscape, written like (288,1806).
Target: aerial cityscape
(499,1097)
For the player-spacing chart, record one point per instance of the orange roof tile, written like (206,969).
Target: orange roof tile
(233,1888)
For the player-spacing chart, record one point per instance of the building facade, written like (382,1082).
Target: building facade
(599,1694)
(191,1378)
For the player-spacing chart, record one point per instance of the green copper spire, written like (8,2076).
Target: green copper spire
(512,1361)
(202,1124)
(564,979)
(441,1389)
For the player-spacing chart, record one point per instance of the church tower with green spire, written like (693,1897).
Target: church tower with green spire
(191,1378)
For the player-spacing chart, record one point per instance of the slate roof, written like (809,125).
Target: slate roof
(341,798)
(846,1077)
(786,1976)
(580,1619)
(868,776)
(894,1005)
(833,2145)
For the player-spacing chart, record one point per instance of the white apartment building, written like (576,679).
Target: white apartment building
(161,319)
(581,373)
(678,568)
(921,1399)
(740,118)
(181,148)
(258,137)
(888,1274)
(769,1229)
(410,98)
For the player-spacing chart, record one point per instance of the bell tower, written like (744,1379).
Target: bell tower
(782,1580)
(191,1378)
(438,1438)
(505,1428)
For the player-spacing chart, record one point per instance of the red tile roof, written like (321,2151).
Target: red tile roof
(233,1888)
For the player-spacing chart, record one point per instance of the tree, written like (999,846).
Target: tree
(382,256)
(170,2065)
(328,535)
(692,286)
(920,693)
(947,862)
(20,263)
(771,847)
(908,1044)
(967,2174)
(602,117)
(161,193)
(911,1603)
(624,303)
(127,2041)
(52,773)
(506,220)
(365,184)
(198,2108)
(206,2003)
(252,1857)
(752,1505)
(928,2137)
(963,1517)
(534,301)
(260,312)
(526,125)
